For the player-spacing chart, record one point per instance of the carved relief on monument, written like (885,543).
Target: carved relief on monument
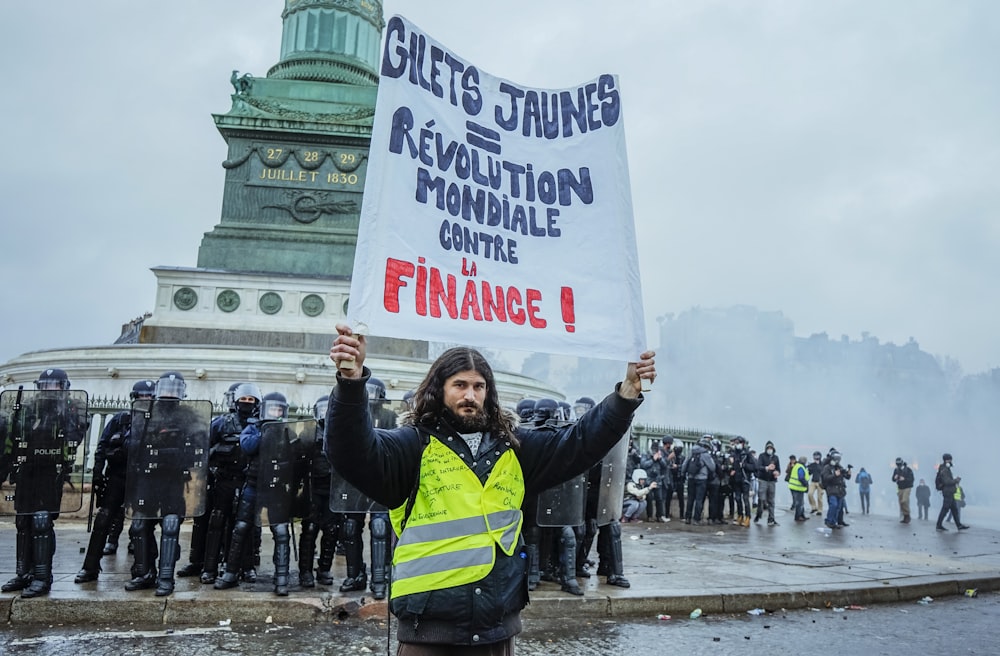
(313,305)
(270,303)
(227,300)
(185,298)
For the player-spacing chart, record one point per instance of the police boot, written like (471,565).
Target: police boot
(141,539)
(114,532)
(22,554)
(327,550)
(95,548)
(567,561)
(170,553)
(196,552)
(615,577)
(357,576)
(213,546)
(281,558)
(547,569)
(231,576)
(307,552)
(43,544)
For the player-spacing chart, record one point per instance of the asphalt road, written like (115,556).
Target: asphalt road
(954,625)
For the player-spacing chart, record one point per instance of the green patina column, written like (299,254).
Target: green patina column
(298,146)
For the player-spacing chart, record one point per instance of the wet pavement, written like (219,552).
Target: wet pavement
(673,568)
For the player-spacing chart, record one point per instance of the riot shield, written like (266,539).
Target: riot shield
(42,433)
(282,445)
(345,498)
(563,505)
(167,458)
(612,492)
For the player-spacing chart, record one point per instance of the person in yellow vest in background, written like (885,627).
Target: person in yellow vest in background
(454,477)
(798,483)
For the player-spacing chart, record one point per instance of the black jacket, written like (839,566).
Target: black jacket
(384,464)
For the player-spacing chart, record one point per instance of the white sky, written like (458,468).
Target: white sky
(835,161)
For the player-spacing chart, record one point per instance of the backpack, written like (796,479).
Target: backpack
(937,481)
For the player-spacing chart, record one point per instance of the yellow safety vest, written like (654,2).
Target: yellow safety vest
(794,484)
(456,523)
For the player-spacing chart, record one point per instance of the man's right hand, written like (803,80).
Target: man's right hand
(348,349)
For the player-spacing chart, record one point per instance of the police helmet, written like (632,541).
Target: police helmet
(319,408)
(228,399)
(525,409)
(376,389)
(565,411)
(409,400)
(544,410)
(637,474)
(52,379)
(274,405)
(583,405)
(679,447)
(249,408)
(705,441)
(716,444)
(142,389)
(171,385)
(835,456)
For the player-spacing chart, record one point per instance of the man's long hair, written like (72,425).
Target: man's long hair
(428,400)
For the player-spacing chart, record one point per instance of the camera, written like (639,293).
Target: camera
(850,466)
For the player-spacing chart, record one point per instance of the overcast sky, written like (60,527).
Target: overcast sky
(836,161)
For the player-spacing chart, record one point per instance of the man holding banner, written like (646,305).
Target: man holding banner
(489,208)
(454,478)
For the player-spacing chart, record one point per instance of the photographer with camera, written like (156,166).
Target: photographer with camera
(636,492)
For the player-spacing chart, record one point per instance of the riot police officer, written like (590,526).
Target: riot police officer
(378,525)
(318,516)
(42,433)
(167,466)
(556,545)
(273,407)
(226,476)
(108,485)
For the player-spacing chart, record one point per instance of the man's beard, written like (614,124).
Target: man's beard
(474,423)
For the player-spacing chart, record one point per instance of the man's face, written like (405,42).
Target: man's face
(464,395)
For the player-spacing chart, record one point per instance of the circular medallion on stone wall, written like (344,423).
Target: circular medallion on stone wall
(313,305)
(227,300)
(269,303)
(185,298)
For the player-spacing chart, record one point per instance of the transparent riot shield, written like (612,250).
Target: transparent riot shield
(563,505)
(167,458)
(282,445)
(345,498)
(42,433)
(612,492)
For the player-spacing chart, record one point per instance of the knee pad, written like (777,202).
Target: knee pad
(280,532)
(379,527)
(41,522)
(567,537)
(137,527)
(171,525)
(351,528)
(615,530)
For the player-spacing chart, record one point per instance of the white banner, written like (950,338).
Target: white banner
(495,214)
